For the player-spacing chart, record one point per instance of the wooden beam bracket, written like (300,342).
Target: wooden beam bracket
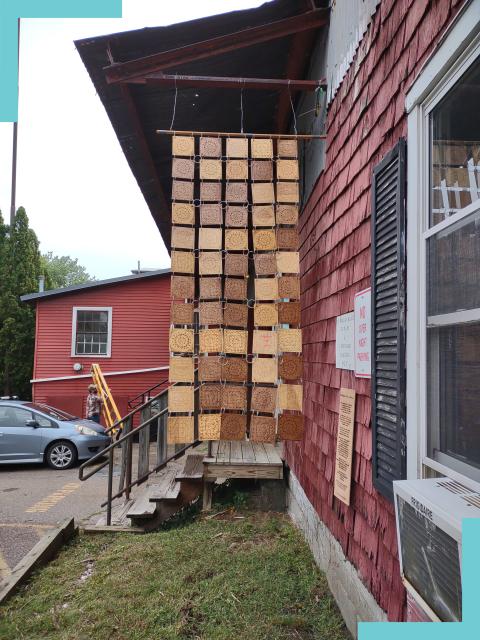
(228,82)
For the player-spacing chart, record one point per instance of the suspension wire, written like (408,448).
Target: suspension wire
(174,103)
(293,110)
(241,109)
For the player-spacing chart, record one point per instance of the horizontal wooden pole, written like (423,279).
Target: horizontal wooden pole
(236,134)
(139,67)
(162,79)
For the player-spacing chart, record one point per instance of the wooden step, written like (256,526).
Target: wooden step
(167,487)
(193,469)
(142,507)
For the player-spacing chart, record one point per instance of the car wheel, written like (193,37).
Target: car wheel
(61,455)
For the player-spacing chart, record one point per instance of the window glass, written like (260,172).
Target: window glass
(58,414)
(14,416)
(92,332)
(455,148)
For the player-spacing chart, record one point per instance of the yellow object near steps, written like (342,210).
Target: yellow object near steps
(110,410)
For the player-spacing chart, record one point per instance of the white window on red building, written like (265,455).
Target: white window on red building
(92,331)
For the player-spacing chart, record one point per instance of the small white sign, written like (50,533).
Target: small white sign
(344,349)
(363,343)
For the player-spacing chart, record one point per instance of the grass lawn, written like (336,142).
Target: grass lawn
(228,577)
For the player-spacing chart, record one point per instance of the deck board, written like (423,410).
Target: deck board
(243,459)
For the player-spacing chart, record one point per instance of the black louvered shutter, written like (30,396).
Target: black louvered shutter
(388,320)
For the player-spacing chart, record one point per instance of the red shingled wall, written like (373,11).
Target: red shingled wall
(365,120)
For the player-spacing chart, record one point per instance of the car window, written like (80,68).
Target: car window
(50,411)
(42,421)
(14,416)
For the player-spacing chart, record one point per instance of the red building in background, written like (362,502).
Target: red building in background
(121,323)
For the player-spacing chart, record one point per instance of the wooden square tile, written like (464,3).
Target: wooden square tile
(265,315)
(264,370)
(287,148)
(182,287)
(210,340)
(181,369)
(210,312)
(183,146)
(262,170)
(183,168)
(289,313)
(289,287)
(210,238)
(263,215)
(264,399)
(180,429)
(210,263)
(183,261)
(287,169)
(209,426)
(263,193)
(235,341)
(237,147)
(236,192)
(234,370)
(290,397)
(288,262)
(234,426)
(210,288)
(180,399)
(290,366)
(181,341)
(265,264)
(290,426)
(235,289)
(288,239)
(287,214)
(210,169)
(236,264)
(210,192)
(234,397)
(209,368)
(211,214)
(263,429)
(210,147)
(290,340)
(262,148)
(237,169)
(288,192)
(182,190)
(236,216)
(183,213)
(236,314)
(183,238)
(181,312)
(210,396)
(264,342)
(264,240)
(236,239)
(266,289)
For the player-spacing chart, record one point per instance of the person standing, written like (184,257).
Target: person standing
(94,404)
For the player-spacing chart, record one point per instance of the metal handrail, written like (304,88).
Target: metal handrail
(144,393)
(115,425)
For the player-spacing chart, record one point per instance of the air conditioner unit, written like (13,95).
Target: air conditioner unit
(429,517)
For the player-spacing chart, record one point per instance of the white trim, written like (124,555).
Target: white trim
(74,333)
(451,473)
(470,209)
(456,317)
(105,373)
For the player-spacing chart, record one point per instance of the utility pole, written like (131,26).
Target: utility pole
(14,152)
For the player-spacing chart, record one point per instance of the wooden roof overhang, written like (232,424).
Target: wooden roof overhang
(208,61)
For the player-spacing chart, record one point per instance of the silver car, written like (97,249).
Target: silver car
(31,432)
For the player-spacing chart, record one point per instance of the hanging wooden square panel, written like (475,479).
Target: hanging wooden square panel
(183,238)
(288,262)
(181,369)
(210,312)
(234,370)
(236,314)
(210,396)
(233,427)
(210,288)
(263,193)
(290,366)
(182,287)
(235,341)
(288,192)
(183,168)
(237,147)
(289,287)
(287,170)
(210,147)
(290,340)
(183,213)
(236,239)
(209,426)
(210,238)
(209,368)
(263,215)
(183,146)
(264,240)
(287,148)
(290,397)
(262,148)
(287,214)
(264,399)
(182,190)
(211,214)
(264,342)
(265,264)
(210,264)
(236,264)
(263,429)
(265,315)
(262,170)
(236,192)
(289,313)
(211,340)
(287,239)
(180,430)
(290,427)
(237,169)
(181,312)
(236,216)
(210,192)
(183,262)
(236,289)
(180,399)
(181,340)
(210,169)
(234,397)
(266,289)
(264,370)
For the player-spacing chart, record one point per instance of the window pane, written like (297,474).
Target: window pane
(92,332)
(455,148)
(454,392)
(453,257)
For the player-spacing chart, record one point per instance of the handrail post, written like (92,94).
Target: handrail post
(110,483)
(128,471)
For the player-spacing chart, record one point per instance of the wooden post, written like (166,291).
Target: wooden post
(207,494)
(144,444)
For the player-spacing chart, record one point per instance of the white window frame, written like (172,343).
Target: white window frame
(91,356)
(459,48)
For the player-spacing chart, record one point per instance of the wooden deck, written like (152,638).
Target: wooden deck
(232,459)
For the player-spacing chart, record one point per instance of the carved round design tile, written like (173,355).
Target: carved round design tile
(183,213)
(181,369)
(263,215)
(235,289)
(181,312)
(183,146)
(287,169)
(264,399)
(183,262)
(290,366)
(234,426)
(263,193)
(180,399)
(287,148)
(288,192)
(211,396)
(182,190)
(234,370)
(236,264)
(211,214)
(210,288)
(210,238)
(210,312)
(287,239)
(262,148)
(210,191)
(210,263)
(180,429)
(236,239)
(265,264)
(183,168)
(235,341)
(181,340)
(264,240)
(237,169)
(210,368)
(289,313)
(290,340)
(237,147)
(266,289)
(262,170)
(209,426)
(262,429)
(236,216)
(183,238)
(289,287)
(265,315)
(234,397)
(210,169)
(264,370)
(236,192)
(211,340)
(264,342)
(290,427)
(183,287)
(290,397)
(287,214)
(236,315)
(210,147)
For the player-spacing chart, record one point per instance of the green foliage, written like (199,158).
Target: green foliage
(63,271)
(19,271)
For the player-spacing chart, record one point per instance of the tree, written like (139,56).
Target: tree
(63,271)
(19,272)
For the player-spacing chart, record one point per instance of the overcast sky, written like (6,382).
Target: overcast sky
(72,178)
